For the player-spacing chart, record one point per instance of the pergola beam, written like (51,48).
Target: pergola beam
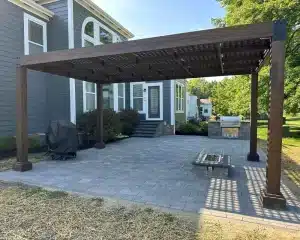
(236,33)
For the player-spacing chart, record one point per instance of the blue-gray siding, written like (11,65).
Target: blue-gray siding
(48,96)
(12,47)
(58,88)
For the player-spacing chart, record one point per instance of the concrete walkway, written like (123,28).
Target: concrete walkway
(158,171)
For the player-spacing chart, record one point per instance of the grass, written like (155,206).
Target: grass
(35,213)
(7,163)
(290,147)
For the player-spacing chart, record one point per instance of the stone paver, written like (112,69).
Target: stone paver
(158,171)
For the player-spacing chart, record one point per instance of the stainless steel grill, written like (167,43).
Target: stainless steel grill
(230,121)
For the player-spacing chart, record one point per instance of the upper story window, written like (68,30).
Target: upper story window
(89,29)
(96,33)
(35,35)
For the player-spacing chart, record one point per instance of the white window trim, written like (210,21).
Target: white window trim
(71,45)
(28,18)
(131,96)
(96,41)
(181,98)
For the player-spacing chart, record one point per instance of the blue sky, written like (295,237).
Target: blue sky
(149,18)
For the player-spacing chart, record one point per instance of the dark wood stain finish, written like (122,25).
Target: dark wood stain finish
(226,51)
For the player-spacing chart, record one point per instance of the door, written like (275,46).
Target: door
(155,101)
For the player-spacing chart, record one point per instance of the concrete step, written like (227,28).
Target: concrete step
(141,131)
(143,135)
(146,128)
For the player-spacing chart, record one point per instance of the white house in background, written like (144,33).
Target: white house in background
(205,107)
(192,107)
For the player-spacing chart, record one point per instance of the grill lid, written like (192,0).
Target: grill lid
(230,121)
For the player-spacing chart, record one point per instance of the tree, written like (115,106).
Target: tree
(253,11)
(200,87)
(231,96)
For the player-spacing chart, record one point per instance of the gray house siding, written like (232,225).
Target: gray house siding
(12,47)
(58,88)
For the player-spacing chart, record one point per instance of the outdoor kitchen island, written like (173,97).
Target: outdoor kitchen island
(229,127)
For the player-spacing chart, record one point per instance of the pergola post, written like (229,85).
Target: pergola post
(99,130)
(253,155)
(22,163)
(271,196)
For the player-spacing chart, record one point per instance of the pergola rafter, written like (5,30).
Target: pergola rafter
(239,50)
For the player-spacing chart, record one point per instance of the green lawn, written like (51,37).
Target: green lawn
(290,147)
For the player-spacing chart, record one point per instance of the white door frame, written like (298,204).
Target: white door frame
(160,84)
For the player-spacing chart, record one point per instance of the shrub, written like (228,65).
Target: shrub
(87,123)
(204,128)
(129,120)
(8,143)
(194,121)
(188,129)
(193,129)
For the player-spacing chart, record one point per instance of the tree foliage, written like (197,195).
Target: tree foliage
(200,87)
(254,11)
(231,96)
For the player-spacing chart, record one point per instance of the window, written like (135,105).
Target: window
(121,96)
(205,110)
(137,96)
(35,35)
(90,96)
(89,29)
(95,33)
(105,36)
(108,96)
(179,97)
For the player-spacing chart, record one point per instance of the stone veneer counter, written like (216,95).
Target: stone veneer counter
(215,130)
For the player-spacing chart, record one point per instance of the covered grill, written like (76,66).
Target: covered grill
(230,121)
(230,126)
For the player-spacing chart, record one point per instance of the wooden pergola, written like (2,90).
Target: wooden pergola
(217,52)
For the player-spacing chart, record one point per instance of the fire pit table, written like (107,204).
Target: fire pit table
(216,163)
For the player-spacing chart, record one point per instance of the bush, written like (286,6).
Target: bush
(194,121)
(8,144)
(129,120)
(87,123)
(188,129)
(193,129)
(204,128)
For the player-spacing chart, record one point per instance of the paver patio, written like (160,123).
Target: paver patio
(158,171)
